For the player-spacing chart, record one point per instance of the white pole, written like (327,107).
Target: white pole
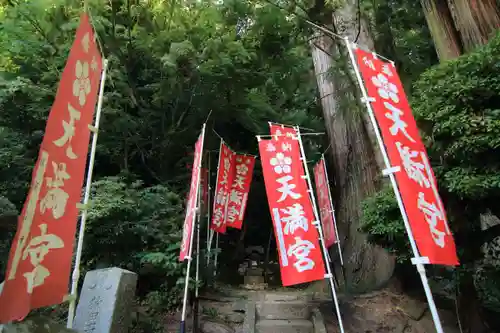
(332,210)
(216,253)
(209,239)
(83,220)
(198,221)
(317,223)
(213,207)
(190,258)
(418,261)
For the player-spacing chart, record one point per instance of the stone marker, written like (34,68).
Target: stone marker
(105,301)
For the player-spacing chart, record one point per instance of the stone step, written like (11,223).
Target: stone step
(283,310)
(284,296)
(284,326)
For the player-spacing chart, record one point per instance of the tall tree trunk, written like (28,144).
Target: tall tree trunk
(444,34)
(476,21)
(353,158)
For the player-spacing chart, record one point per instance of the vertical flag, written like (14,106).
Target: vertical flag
(415,178)
(291,211)
(41,255)
(240,188)
(192,198)
(324,204)
(281,130)
(225,176)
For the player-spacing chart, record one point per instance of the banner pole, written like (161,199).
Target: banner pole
(333,211)
(317,223)
(418,261)
(197,274)
(83,219)
(209,237)
(190,257)
(215,195)
(216,253)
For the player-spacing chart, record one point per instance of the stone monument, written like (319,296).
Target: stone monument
(105,301)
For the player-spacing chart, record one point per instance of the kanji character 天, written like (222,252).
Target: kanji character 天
(398,124)
(69,132)
(286,188)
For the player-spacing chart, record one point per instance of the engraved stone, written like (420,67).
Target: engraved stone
(105,302)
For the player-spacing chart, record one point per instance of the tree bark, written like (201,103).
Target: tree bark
(475,20)
(444,34)
(354,159)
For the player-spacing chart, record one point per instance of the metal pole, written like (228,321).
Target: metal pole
(209,239)
(320,231)
(332,210)
(197,274)
(418,261)
(83,220)
(213,207)
(216,253)
(190,258)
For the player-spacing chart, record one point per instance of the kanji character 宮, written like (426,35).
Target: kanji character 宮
(432,215)
(37,249)
(301,250)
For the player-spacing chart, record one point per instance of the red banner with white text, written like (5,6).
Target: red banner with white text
(243,170)
(279,130)
(39,266)
(416,180)
(299,251)
(324,203)
(225,176)
(192,199)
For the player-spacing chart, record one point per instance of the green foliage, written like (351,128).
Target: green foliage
(138,228)
(458,108)
(382,221)
(171,64)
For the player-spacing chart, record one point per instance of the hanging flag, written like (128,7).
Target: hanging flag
(192,198)
(40,259)
(291,211)
(239,190)
(415,179)
(225,176)
(279,130)
(324,204)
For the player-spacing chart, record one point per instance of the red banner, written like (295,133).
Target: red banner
(239,190)
(291,210)
(225,176)
(324,203)
(278,129)
(41,255)
(192,199)
(416,180)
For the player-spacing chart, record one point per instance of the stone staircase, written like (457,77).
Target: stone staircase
(283,312)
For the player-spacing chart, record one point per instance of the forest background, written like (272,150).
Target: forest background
(172,63)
